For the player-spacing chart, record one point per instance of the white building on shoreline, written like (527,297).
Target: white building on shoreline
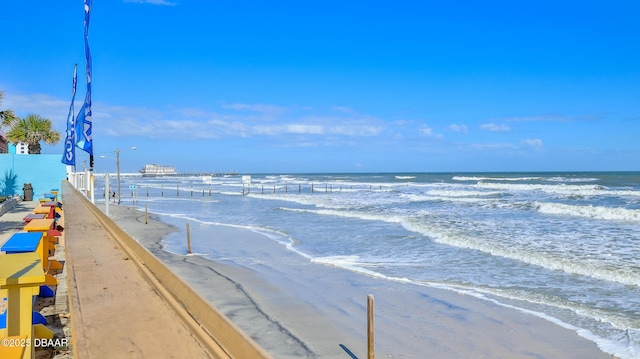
(158,170)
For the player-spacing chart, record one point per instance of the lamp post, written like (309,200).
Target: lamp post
(118,169)
(117,151)
(107,193)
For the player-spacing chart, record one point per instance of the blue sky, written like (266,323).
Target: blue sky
(336,86)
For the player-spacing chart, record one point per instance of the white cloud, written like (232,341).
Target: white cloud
(533,142)
(495,127)
(295,126)
(459,128)
(195,123)
(356,130)
(304,129)
(46,106)
(428,132)
(347,130)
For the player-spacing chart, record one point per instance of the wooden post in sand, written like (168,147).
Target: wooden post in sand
(188,239)
(146,214)
(370,344)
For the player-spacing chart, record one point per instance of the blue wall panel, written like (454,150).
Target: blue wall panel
(44,172)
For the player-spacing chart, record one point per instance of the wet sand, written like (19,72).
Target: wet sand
(295,308)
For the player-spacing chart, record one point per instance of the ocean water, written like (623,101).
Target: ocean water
(563,246)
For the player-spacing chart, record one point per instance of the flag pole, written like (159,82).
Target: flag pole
(73,114)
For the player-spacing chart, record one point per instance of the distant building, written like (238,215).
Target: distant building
(22,148)
(157,170)
(4,143)
(8,147)
(19,149)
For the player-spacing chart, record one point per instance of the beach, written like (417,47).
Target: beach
(296,308)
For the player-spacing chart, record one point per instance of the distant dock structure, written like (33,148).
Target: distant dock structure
(221,174)
(158,170)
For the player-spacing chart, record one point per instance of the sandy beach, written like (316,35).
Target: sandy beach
(298,309)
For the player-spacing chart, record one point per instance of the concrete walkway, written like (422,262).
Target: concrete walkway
(115,312)
(12,221)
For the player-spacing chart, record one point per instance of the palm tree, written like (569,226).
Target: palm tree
(6,119)
(31,130)
(6,116)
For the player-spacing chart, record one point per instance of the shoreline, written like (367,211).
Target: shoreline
(298,309)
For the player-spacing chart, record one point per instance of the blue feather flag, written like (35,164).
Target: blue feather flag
(69,155)
(84,139)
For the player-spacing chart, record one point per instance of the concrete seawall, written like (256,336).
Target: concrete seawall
(9,204)
(125,301)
